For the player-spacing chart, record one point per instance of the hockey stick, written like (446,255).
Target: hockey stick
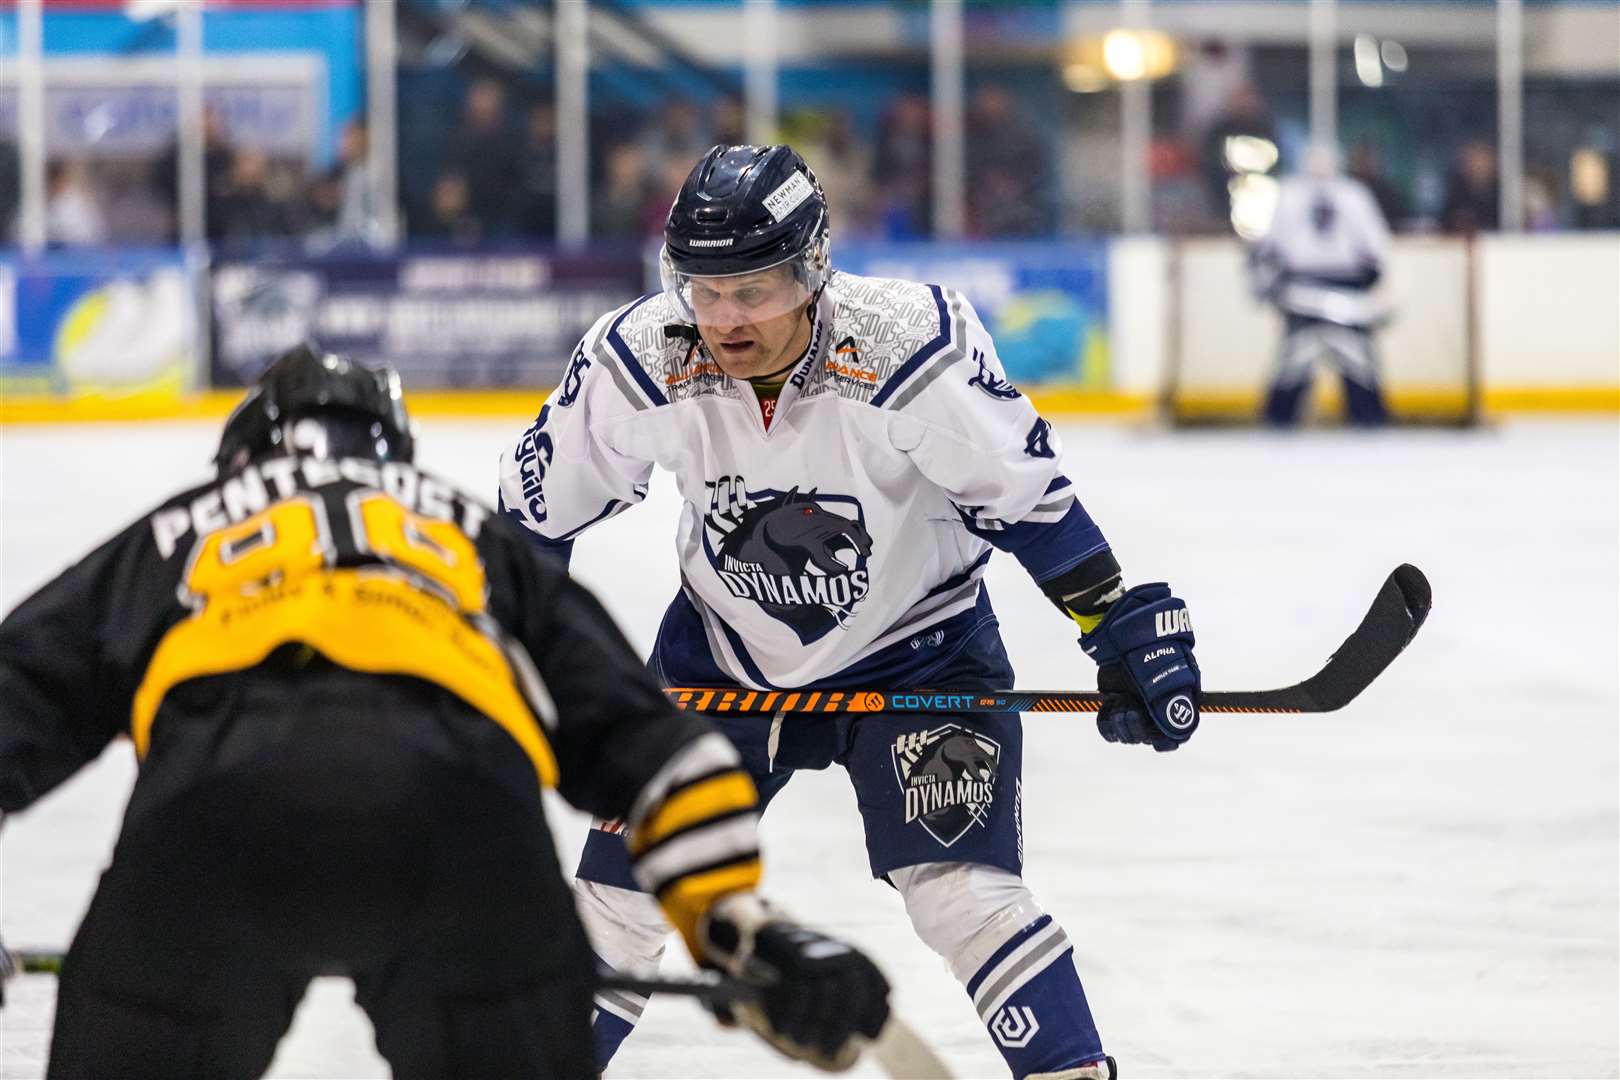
(1388,627)
(899,1049)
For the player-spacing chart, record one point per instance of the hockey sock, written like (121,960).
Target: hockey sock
(608,1032)
(1030,998)
(612,1020)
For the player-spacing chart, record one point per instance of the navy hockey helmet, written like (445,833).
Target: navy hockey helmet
(320,404)
(744,209)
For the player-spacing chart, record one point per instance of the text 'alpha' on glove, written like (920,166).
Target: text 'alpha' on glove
(1145,669)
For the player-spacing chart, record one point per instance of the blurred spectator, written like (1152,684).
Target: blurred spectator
(245,209)
(449,214)
(1591,185)
(1242,141)
(841,161)
(534,210)
(356,213)
(661,192)
(902,169)
(10,189)
(1542,210)
(675,135)
(1366,164)
(482,151)
(217,159)
(1006,168)
(728,122)
(72,215)
(620,203)
(1473,194)
(338,204)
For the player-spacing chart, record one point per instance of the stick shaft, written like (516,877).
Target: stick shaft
(1397,611)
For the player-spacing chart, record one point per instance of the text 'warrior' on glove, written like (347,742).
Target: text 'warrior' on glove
(1146,671)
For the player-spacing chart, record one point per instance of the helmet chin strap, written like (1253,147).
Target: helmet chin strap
(809,312)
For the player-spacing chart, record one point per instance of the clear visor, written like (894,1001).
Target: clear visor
(753,296)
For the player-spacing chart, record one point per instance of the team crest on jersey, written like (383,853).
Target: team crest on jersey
(990,382)
(948,778)
(801,556)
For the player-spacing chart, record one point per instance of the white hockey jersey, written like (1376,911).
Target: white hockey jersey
(1325,251)
(857,520)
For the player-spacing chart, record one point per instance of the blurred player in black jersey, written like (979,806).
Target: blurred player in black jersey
(347,685)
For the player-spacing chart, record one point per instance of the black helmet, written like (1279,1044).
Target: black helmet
(744,209)
(354,412)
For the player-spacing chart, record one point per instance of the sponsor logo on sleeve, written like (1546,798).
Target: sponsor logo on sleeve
(534,452)
(989,381)
(574,377)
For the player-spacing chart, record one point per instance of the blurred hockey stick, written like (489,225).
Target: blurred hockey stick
(1396,614)
(899,1049)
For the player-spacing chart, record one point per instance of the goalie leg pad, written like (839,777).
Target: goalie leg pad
(1014,960)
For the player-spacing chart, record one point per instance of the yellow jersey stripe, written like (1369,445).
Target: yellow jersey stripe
(688,899)
(693,805)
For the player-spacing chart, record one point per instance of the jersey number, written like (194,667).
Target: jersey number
(292,539)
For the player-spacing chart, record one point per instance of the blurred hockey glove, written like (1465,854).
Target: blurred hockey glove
(7,967)
(819,998)
(1145,669)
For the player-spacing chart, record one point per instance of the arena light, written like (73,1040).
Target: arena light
(1125,55)
(1369,67)
(1254,204)
(1249,153)
(1084,78)
(146,10)
(1394,55)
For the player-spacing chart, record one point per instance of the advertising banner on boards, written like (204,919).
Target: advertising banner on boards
(444,319)
(99,323)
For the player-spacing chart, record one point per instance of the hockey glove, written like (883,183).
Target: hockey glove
(1145,669)
(819,998)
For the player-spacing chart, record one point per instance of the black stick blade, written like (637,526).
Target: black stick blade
(1397,612)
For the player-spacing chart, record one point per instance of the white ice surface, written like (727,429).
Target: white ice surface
(1422,885)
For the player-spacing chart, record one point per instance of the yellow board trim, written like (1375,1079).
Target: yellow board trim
(698,803)
(19,408)
(687,900)
(365,620)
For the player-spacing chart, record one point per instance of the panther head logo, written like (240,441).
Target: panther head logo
(794,534)
(803,563)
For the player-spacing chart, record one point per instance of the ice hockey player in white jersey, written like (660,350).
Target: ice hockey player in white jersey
(850,453)
(1318,264)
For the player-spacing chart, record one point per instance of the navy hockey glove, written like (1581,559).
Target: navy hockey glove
(819,998)
(1145,669)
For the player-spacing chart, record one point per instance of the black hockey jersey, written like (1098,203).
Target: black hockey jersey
(382,569)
